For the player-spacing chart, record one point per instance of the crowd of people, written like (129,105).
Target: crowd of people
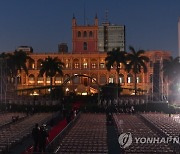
(40,138)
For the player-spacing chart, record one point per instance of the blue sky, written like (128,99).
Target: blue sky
(42,24)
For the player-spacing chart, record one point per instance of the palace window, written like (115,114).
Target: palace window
(90,34)
(93,65)
(111,80)
(48,80)
(85,65)
(129,78)
(102,65)
(85,34)
(40,79)
(67,65)
(121,78)
(31,79)
(79,34)
(76,65)
(138,80)
(85,45)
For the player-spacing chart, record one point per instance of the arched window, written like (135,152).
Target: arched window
(112,79)
(85,34)
(76,63)
(79,34)
(121,78)
(31,64)
(85,65)
(138,79)
(31,79)
(40,79)
(93,63)
(129,78)
(67,63)
(90,34)
(39,63)
(48,80)
(18,79)
(85,45)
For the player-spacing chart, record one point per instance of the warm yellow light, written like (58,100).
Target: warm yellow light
(67,89)
(34,94)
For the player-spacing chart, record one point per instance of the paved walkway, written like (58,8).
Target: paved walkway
(112,138)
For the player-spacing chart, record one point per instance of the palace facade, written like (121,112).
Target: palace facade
(86,59)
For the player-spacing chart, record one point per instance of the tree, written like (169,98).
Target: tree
(171,70)
(15,61)
(116,57)
(51,66)
(137,63)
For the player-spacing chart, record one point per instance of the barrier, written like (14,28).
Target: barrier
(53,146)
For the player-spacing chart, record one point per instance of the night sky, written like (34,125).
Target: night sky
(42,24)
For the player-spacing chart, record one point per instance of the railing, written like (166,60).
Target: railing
(53,146)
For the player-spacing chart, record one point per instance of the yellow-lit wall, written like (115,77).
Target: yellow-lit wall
(90,64)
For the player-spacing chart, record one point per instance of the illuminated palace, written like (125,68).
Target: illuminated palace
(90,43)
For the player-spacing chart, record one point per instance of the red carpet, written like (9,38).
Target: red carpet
(52,134)
(56,129)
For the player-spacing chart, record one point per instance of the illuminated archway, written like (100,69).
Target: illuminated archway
(82,75)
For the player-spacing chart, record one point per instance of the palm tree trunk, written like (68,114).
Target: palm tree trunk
(135,83)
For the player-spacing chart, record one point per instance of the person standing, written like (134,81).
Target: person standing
(35,135)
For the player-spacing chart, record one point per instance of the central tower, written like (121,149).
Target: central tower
(85,38)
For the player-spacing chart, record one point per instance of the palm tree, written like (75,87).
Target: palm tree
(137,62)
(51,66)
(116,57)
(16,62)
(171,70)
